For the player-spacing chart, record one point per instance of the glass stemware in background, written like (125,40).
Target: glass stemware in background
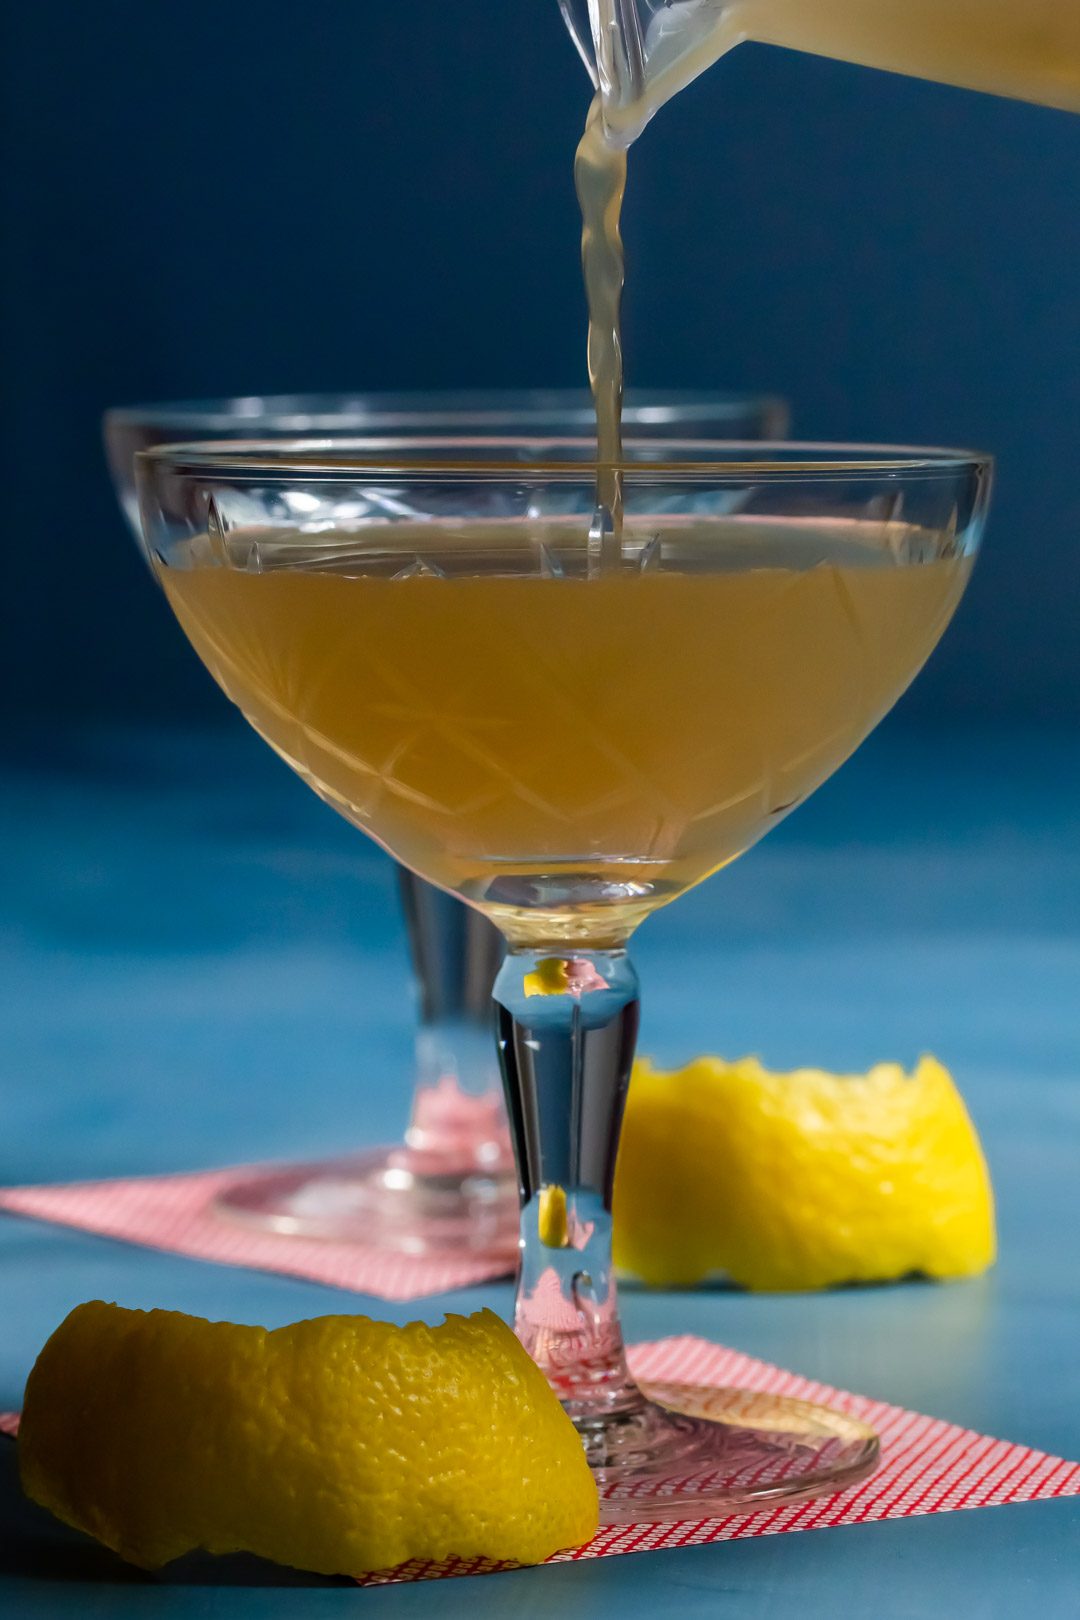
(568,746)
(450,1186)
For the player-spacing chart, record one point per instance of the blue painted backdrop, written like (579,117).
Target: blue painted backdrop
(207,198)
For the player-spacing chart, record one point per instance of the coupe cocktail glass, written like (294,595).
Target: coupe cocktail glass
(429,634)
(450,1185)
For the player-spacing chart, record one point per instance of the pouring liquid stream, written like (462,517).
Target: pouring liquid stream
(600,178)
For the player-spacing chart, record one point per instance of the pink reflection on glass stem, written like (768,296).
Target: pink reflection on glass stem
(453,1130)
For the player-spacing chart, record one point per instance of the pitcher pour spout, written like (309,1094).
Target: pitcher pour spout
(639,53)
(610,39)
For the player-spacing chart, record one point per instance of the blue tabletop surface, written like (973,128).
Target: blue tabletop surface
(199,965)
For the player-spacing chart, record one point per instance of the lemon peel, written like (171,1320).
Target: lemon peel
(339,1444)
(801,1180)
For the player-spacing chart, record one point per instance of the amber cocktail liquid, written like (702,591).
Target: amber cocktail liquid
(585,748)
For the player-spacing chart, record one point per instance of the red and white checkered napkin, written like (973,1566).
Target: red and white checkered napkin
(175,1213)
(928,1466)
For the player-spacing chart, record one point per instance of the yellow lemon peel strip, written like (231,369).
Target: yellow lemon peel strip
(801,1180)
(340,1444)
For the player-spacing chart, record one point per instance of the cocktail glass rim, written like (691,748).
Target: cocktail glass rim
(689,459)
(642,407)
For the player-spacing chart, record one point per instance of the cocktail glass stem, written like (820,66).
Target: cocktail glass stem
(449,1187)
(566,1027)
(457,1111)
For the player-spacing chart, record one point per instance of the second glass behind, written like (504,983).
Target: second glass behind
(450,1186)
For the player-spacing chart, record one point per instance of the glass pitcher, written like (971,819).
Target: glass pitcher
(639,53)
